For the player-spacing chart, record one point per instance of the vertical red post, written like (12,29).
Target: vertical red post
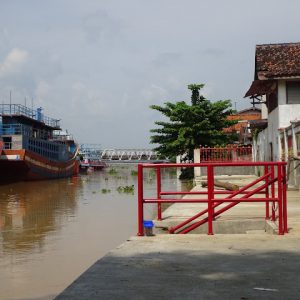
(267,194)
(210,192)
(284,187)
(279,181)
(158,188)
(140,201)
(273,193)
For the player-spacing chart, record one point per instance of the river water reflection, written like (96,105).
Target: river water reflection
(51,231)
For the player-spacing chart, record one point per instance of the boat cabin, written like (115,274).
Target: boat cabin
(24,128)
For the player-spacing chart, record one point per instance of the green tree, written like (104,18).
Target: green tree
(189,126)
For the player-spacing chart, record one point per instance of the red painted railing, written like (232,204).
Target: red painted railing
(225,154)
(269,188)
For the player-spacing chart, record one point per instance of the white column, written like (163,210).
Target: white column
(197,171)
(178,161)
(295,150)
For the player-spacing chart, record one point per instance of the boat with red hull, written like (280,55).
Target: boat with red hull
(33,147)
(87,165)
(89,156)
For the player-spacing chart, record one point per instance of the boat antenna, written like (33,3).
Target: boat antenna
(10,101)
(25,101)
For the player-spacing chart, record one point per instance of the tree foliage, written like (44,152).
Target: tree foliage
(189,126)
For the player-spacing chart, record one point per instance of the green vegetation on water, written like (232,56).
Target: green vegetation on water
(112,171)
(134,173)
(128,189)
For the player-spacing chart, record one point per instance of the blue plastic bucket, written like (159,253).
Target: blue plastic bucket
(148,226)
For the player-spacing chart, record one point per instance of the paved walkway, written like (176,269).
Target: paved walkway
(223,266)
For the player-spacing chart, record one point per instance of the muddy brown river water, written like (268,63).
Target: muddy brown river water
(52,231)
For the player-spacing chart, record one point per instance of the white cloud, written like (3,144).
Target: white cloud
(42,90)
(154,93)
(13,62)
(208,91)
(100,26)
(86,100)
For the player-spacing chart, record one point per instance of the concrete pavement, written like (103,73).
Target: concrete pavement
(197,266)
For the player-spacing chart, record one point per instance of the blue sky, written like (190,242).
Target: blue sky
(98,65)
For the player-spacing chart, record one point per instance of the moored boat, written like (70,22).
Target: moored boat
(90,159)
(33,146)
(91,165)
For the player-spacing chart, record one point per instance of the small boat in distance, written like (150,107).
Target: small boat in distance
(89,156)
(33,146)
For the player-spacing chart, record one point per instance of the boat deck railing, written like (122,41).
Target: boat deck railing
(21,110)
(62,137)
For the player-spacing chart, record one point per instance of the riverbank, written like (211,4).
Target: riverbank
(52,231)
(223,266)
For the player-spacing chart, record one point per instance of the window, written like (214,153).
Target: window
(293,92)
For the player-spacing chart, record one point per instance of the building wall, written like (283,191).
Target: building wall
(260,147)
(288,150)
(264,109)
(280,117)
(281,92)
(288,113)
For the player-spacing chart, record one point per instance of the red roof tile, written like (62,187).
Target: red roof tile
(277,60)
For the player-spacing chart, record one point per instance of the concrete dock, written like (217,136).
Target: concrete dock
(253,265)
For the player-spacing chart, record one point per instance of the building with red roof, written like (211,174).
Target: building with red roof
(277,85)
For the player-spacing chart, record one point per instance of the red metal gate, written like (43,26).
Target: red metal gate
(269,188)
(225,154)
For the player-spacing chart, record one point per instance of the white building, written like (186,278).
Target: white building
(277,85)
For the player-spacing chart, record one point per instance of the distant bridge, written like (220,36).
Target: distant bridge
(94,151)
(128,155)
